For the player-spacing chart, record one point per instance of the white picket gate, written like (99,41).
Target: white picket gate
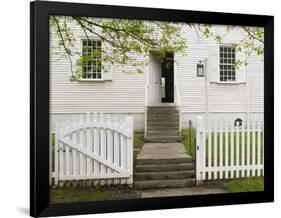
(225,151)
(91,150)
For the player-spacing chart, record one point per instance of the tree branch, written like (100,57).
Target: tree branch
(250,34)
(133,35)
(100,36)
(68,52)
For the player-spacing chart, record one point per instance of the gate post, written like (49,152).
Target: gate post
(130,149)
(200,147)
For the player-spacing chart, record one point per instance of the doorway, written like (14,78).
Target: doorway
(161,79)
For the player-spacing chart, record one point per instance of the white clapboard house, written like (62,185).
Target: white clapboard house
(162,96)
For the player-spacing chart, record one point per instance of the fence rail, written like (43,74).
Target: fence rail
(92,149)
(226,151)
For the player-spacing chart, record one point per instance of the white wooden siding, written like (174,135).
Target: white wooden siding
(230,98)
(126,93)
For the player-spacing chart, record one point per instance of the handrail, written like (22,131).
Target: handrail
(146,95)
(178,104)
(178,100)
(145,108)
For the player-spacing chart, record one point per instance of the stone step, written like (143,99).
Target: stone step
(164,175)
(162,122)
(163,110)
(168,183)
(154,161)
(164,167)
(162,128)
(162,116)
(163,132)
(163,139)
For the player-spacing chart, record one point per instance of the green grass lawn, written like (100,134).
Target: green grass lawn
(189,137)
(138,143)
(66,195)
(244,185)
(138,140)
(237,185)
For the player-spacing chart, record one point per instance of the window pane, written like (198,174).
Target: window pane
(89,68)
(99,68)
(94,69)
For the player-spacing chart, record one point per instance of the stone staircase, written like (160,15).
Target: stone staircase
(162,124)
(163,165)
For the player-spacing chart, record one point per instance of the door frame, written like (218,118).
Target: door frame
(169,75)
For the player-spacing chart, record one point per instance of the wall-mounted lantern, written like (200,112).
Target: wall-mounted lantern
(200,69)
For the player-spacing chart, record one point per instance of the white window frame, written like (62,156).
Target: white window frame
(82,46)
(102,79)
(228,65)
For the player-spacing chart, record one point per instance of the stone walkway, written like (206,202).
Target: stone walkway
(162,151)
(172,192)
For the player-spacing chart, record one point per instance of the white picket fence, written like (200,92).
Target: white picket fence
(92,149)
(225,151)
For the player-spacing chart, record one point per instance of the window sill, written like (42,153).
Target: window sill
(228,83)
(93,80)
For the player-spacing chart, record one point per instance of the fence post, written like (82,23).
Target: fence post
(50,155)
(200,146)
(130,150)
(56,154)
(189,134)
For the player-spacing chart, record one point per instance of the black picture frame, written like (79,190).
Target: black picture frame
(39,108)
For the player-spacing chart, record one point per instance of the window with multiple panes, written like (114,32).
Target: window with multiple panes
(227,64)
(92,59)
